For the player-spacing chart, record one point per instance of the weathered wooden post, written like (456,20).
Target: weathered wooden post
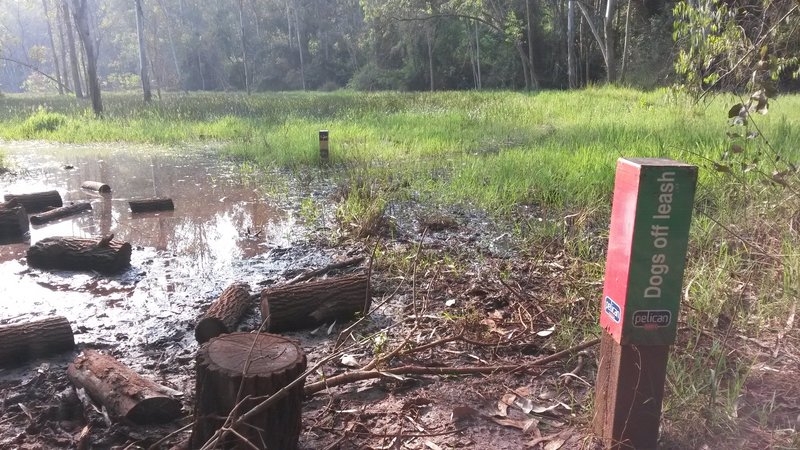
(650,219)
(323,146)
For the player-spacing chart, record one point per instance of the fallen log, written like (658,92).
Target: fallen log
(57,213)
(123,392)
(151,204)
(275,362)
(104,255)
(21,342)
(96,186)
(306,305)
(37,201)
(223,314)
(13,221)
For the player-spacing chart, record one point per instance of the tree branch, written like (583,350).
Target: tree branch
(35,69)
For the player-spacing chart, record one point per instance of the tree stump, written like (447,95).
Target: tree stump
(57,213)
(151,204)
(21,342)
(13,221)
(96,186)
(71,253)
(37,201)
(275,362)
(223,314)
(306,305)
(125,393)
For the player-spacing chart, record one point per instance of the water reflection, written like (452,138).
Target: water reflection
(179,256)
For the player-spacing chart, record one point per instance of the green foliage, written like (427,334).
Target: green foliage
(42,121)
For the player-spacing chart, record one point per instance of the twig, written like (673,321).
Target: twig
(786,329)
(169,436)
(525,299)
(568,377)
(360,375)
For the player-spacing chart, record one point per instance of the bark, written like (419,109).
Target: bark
(306,305)
(13,222)
(151,204)
(53,48)
(144,72)
(73,54)
(610,41)
(534,80)
(37,201)
(227,372)
(21,342)
(62,45)
(222,316)
(571,74)
(123,392)
(172,43)
(244,47)
(96,186)
(80,12)
(57,213)
(71,253)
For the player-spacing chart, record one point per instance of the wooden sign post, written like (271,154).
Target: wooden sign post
(650,219)
(323,145)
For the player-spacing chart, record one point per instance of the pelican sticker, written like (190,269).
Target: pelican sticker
(613,310)
(651,320)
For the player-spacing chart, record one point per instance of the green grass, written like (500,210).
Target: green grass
(500,151)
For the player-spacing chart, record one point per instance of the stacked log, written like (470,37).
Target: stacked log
(13,220)
(104,255)
(224,313)
(305,305)
(123,392)
(227,372)
(57,213)
(21,342)
(151,204)
(37,201)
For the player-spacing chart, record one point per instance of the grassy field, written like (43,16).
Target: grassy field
(551,151)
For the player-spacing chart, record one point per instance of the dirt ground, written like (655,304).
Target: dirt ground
(450,289)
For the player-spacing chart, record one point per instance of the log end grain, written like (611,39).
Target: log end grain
(96,186)
(271,354)
(209,327)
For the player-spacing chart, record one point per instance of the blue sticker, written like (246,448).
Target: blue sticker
(613,310)
(652,319)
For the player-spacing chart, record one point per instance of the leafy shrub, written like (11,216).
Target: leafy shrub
(43,121)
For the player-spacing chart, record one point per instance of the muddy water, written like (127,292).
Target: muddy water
(222,230)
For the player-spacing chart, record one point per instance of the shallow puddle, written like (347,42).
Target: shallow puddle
(222,230)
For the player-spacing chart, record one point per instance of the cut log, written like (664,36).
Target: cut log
(125,393)
(21,342)
(275,362)
(96,186)
(57,213)
(296,306)
(151,204)
(223,314)
(104,255)
(13,222)
(37,201)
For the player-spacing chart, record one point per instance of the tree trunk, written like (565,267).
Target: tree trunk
(13,222)
(611,39)
(306,305)
(72,253)
(144,72)
(299,48)
(571,75)
(625,44)
(244,47)
(62,46)
(57,213)
(73,55)
(80,13)
(53,48)
(478,54)
(96,186)
(151,204)
(172,44)
(21,342)
(37,201)
(123,392)
(222,316)
(534,80)
(227,372)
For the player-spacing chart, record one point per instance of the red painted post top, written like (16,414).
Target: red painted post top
(650,217)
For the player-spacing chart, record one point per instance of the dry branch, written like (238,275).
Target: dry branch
(151,204)
(37,201)
(57,213)
(96,186)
